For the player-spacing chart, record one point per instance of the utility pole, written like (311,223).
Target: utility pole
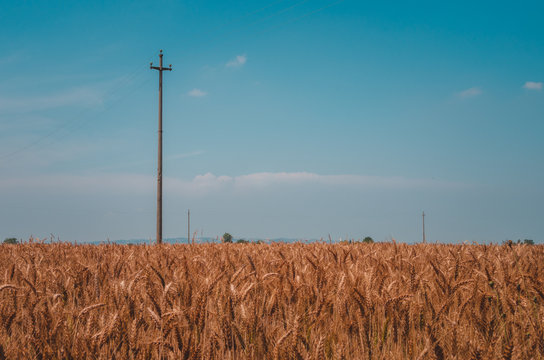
(423,216)
(160,68)
(188,225)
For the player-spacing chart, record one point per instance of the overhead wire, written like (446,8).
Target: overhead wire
(77,125)
(124,80)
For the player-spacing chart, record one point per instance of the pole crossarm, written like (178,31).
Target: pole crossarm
(160,68)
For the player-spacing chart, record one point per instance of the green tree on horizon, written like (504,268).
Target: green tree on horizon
(368,240)
(227,238)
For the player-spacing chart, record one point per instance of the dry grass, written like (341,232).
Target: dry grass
(280,301)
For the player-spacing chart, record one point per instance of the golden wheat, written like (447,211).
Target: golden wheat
(276,301)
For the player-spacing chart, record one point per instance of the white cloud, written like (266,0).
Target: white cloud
(83,96)
(471,92)
(80,183)
(533,85)
(238,61)
(197,93)
(264,179)
(209,183)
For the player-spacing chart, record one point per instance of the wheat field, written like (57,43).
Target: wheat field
(271,301)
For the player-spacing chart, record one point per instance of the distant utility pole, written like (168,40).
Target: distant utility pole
(160,68)
(423,216)
(188,225)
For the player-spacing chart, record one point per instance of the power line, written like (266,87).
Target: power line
(79,118)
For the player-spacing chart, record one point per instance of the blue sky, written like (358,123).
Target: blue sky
(281,119)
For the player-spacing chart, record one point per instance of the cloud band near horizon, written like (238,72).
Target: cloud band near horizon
(209,183)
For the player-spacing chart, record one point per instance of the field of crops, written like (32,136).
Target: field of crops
(278,301)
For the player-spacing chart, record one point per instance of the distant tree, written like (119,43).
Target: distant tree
(368,240)
(519,242)
(242,241)
(10,241)
(227,238)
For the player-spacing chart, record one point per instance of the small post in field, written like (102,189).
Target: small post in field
(423,215)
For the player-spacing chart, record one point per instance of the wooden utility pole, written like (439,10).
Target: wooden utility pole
(188,226)
(160,68)
(423,216)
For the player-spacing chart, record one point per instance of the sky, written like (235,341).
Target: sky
(286,118)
